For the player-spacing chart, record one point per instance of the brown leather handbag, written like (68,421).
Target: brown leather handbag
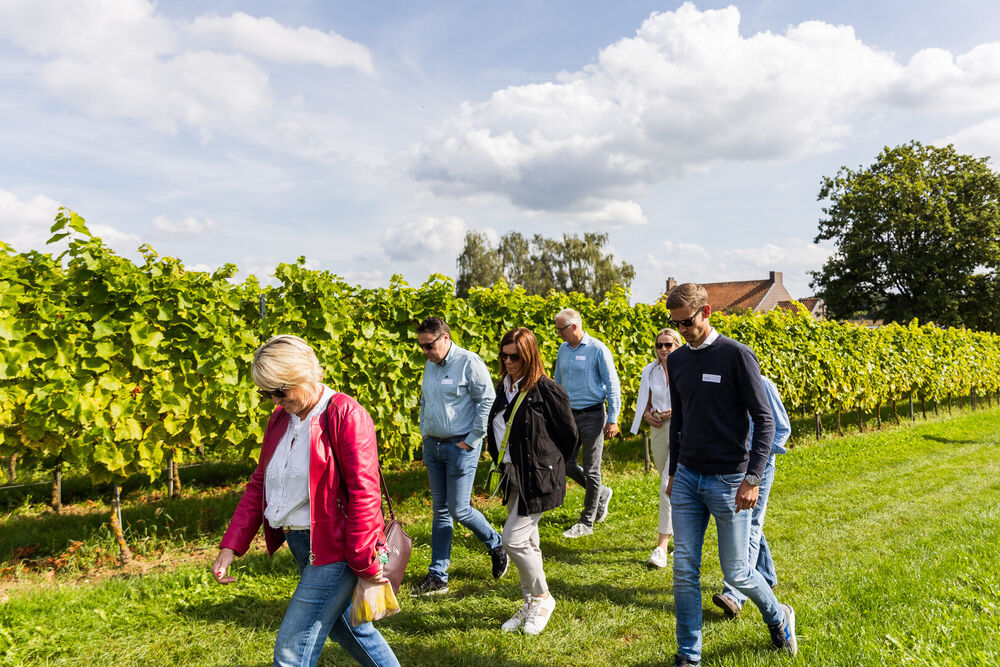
(398,544)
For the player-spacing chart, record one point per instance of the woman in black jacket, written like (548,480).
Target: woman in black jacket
(531,434)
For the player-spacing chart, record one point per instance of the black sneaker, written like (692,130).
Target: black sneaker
(783,634)
(680,660)
(431,585)
(500,561)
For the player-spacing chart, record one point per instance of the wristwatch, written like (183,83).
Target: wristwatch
(752,480)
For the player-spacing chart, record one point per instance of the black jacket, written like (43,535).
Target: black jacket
(542,438)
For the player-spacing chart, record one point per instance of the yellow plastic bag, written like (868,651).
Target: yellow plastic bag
(372,602)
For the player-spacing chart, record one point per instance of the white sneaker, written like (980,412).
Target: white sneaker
(602,504)
(515,622)
(658,558)
(578,530)
(539,612)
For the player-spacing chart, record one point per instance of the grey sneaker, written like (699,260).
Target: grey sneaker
(783,634)
(726,604)
(539,613)
(431,585)
(682,660)
(578,530)
(602,504)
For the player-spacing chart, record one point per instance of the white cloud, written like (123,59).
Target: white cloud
(686,92)
(937,80)
(268,39)
(425,239)
(981,140)
(793,257)
(614,214)
(189,226)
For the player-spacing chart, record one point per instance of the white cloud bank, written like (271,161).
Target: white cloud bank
(426,239)
(189,226)
(688,91)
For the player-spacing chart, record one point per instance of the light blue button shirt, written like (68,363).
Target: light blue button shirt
(782,425)
(588,374)
(456,397)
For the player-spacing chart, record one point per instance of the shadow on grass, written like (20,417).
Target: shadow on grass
(948,441)
(429,655)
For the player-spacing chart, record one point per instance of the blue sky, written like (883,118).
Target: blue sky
(370,137)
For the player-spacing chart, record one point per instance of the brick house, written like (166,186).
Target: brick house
(757,296)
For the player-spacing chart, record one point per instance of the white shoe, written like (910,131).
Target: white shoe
(578,530)
(658,558)
(539,612)
(602,504)
(515,622)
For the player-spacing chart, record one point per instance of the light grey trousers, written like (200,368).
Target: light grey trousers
(520,541)
(659,445)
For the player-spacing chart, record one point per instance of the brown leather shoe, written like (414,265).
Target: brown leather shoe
(726,604)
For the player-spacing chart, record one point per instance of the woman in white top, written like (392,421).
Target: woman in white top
(653,405)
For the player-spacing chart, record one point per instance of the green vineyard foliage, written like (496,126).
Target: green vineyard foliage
(111,366)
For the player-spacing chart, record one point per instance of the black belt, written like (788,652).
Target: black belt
(592,408)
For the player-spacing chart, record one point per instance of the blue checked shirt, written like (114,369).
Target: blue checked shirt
(456,397)
(588,375)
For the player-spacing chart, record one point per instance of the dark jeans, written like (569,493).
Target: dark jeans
(590,448)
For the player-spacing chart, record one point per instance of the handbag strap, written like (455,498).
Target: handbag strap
(510,422)
(385,492)
(333,450)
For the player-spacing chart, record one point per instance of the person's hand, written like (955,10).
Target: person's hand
(665,414)
(610,430)
(670,485)
(746,496)
(220,567)
(377,578)
(464,445)
(653,419)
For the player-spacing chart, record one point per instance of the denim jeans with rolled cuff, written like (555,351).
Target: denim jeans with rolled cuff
(759,554)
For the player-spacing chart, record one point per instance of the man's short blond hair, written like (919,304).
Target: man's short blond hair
(687,295)
(285,361)
(569,316)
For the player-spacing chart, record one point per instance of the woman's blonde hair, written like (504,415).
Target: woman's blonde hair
(667,332)
(285,361)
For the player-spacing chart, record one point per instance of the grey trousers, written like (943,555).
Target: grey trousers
(520,541)
(589,449)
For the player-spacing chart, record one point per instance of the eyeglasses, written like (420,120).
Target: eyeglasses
(428,346)
(566,326)
(266,394)
(513,357)
(689,321)
(671,344)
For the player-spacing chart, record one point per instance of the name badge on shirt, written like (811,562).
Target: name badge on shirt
(711,377)
(581,357)
(448,381)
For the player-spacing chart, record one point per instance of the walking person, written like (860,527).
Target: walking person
(715,467)
(585,368)
(327,508)
(652,405)
(455,400)
(532,433)
(731,600)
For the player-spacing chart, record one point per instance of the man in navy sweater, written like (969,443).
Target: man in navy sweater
(716,467)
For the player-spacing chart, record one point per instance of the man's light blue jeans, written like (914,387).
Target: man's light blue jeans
(321,607)
(694,497)
(759,555)
(450,473)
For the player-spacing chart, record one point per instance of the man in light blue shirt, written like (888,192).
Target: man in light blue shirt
(585,368)
(731,600)
(455,400)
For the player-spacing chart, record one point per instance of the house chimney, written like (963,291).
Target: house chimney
(671,284)
(775,277)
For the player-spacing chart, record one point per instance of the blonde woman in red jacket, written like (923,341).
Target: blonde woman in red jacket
(316,487)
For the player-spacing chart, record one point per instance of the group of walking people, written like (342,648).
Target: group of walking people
(714,439)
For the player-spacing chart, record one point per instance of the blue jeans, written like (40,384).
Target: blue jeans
(759,553)
(450,473)
(321,607)
(694,497)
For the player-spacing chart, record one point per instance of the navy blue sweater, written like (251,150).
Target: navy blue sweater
(715,392)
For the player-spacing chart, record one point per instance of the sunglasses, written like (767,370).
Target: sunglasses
(428,346)
(560,329)
(266,394)
(513,357)
(660,346)
(689,321)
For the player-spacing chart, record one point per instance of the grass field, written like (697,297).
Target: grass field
(885,544)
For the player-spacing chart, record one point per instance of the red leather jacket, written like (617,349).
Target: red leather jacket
(345,505)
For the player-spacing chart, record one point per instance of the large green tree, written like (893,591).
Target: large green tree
(573,264)
(917,235)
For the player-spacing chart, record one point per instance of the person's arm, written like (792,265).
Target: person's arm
(676,422)
(751,389)
(483,394)
(782,425)
(612,388)
(559,418)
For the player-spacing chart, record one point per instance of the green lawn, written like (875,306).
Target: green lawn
(886,545)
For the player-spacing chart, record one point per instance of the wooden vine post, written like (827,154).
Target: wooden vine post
(912,416)
(819,425)
(116,525)
(56,500)
(645,446)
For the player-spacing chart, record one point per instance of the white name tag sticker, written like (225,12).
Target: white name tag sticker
(580,357)
(448,381)
(710,377)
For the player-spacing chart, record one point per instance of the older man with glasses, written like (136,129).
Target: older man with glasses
(716,465)
(455,400)
(585,368)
